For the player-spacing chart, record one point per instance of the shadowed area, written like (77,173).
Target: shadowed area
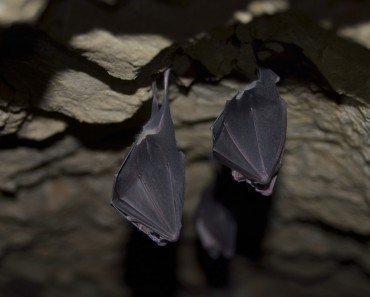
(150,270)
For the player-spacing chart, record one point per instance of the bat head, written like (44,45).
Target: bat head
(267,75)
(160,119)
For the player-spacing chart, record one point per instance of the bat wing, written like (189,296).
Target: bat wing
(149,187)
(249,135)
(216,227)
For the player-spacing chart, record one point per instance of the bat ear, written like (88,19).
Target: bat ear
(267,75)
(166,76)
(155,100)
(264,74)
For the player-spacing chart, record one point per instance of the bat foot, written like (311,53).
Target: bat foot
(238,176)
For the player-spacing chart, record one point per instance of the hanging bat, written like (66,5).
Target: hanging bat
(249,135)
(149,187)
(216,226)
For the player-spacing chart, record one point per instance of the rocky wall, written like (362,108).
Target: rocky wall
(74,91)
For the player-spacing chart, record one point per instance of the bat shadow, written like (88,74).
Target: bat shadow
(251,211)
(148,269)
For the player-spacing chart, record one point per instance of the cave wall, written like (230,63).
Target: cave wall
(74,91)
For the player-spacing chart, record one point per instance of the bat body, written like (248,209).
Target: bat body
(149,187)
(249,135)
(216,226)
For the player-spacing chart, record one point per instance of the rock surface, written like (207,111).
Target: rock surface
(40,128)
(19,11)
(121,56)
(65,84)
(74,92)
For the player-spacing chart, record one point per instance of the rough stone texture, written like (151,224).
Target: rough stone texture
(325,153)
(20,165)
(40,128)
(121,56)
(359,33)
(130,38)
(322,147)
(66,84)
(10,122)
(74,91)
(321,47)
(52,238)
(15,11)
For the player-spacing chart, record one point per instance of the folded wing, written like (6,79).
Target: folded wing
(149,186)
(249,135)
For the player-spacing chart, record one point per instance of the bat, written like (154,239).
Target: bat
(216,226)
(249,135)
(148,188)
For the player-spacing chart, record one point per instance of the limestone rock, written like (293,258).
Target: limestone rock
(122,56)
(88,99)
(65,84)
(215,51)
(25,167)
(23,161)
(93,73)
(302,240)
(56,213)
(359,33)
(40,128)
(3,118)
(258,8)
(10,122)
(14,11)
(324,48)
(320,148)
(138,30)
(203,103)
